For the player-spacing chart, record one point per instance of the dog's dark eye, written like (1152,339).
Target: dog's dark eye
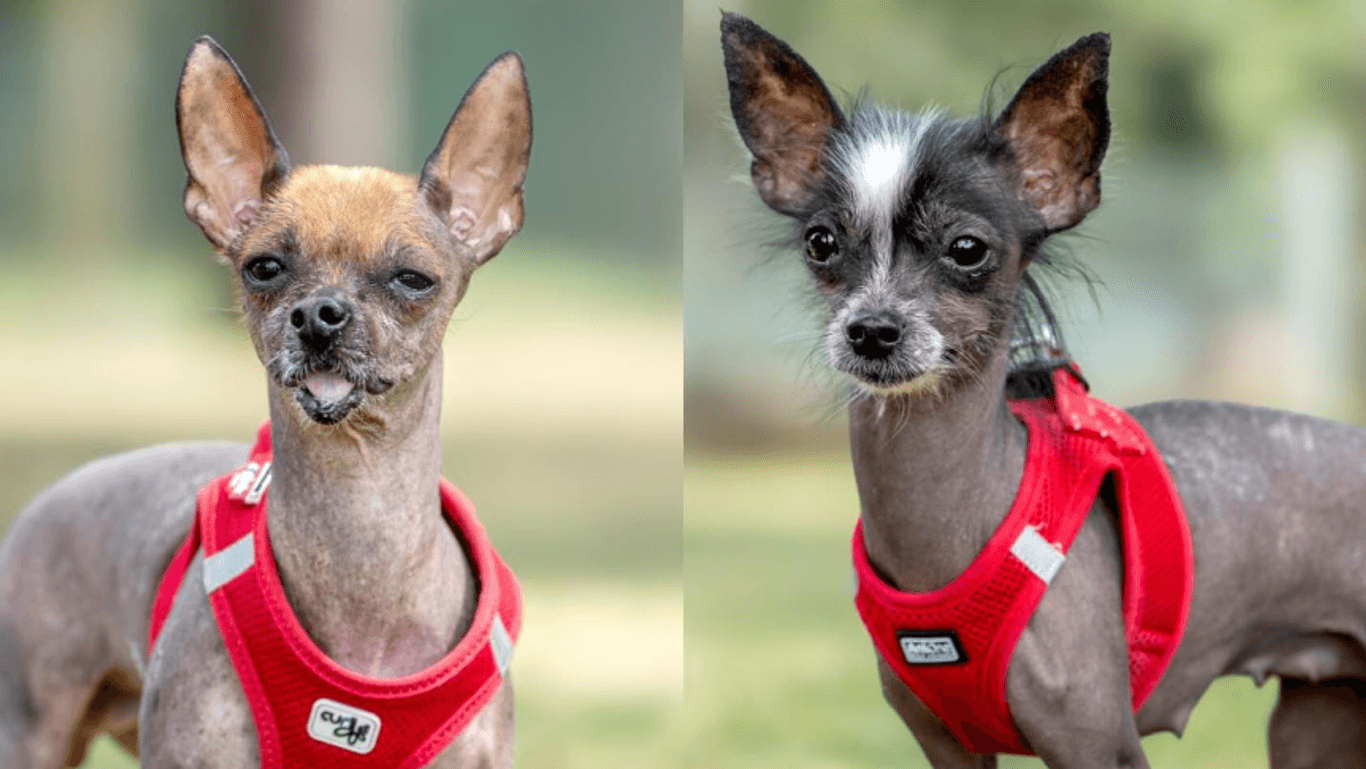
(414,282)
(820,244)
(968,252)
(263,270)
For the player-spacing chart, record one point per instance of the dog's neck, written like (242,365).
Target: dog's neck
(368,560)
(935,476)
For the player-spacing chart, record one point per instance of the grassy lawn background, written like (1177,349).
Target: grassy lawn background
(778,669)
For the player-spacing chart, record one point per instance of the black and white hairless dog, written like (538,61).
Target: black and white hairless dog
(921,232)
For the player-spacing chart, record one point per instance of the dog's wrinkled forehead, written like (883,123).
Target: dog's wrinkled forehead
(874,161)
(355,215)
(885,162)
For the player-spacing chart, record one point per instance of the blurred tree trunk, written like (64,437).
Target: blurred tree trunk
(86,119)
(1318,204)
(344,83)
(1357,9)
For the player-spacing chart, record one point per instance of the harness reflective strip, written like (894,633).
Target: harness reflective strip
(227,564)
(501,644)
(1037,554)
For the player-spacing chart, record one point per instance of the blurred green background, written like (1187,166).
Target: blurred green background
(1230,259)
(118,329)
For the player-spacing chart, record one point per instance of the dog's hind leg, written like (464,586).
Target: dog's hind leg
(17,712)
(38,708)
(62,726)
(114,709)
(39,735)
(58,693)
(1321,725)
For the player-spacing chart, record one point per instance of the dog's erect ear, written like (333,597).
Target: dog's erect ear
(783,110)
(232,156)
(1059,126)
(473,179)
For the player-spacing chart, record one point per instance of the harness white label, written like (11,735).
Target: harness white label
(343,726)
(258,488)
(929,649)
(241,480)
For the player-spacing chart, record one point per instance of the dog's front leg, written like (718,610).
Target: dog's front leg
(1068,685)
(943,750)
(193,711)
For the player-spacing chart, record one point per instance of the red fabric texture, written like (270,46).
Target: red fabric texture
(284,674)
(1075,442)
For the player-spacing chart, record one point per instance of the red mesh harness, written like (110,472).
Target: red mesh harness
(952,646)
(308,710)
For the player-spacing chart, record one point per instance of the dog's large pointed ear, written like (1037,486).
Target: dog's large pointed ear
(473,179)
(783,110)
(1058,125)
(232,156)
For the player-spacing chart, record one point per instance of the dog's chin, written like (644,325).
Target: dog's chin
(328,398)
(925,384)
(885,381)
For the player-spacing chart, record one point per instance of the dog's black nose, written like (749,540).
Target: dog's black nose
(873,335)
(319,319)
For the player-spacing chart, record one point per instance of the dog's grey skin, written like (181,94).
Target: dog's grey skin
(373,570)
(1273,499)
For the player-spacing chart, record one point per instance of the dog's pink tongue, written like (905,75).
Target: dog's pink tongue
(327,387)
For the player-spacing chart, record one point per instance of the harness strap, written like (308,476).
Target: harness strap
(952,646)
(308,710)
